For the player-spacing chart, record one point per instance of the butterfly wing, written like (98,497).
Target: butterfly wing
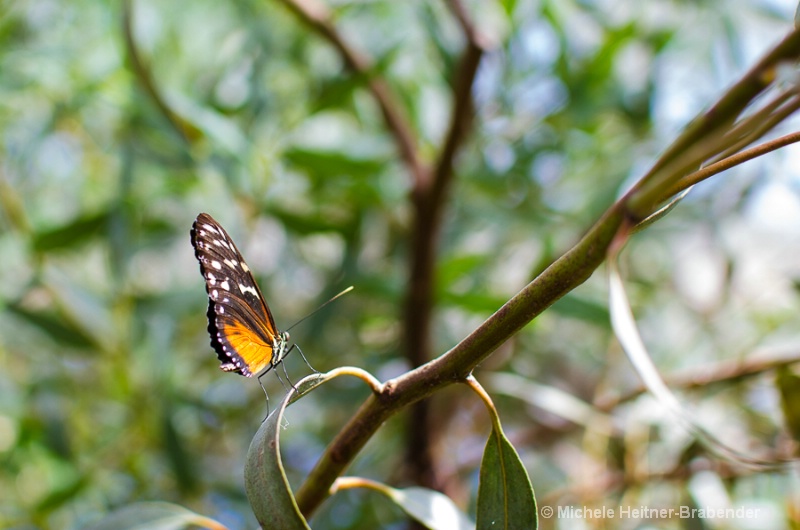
(243,332)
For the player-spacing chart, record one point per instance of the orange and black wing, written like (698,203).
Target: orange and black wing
(242,330)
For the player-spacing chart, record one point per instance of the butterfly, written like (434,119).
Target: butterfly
(243,332)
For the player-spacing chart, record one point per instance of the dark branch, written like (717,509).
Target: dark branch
(429,199)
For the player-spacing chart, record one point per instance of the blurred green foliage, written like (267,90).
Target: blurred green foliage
(109,391)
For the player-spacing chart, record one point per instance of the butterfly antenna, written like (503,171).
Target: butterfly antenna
(314,312)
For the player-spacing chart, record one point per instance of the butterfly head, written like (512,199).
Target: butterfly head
(280,348)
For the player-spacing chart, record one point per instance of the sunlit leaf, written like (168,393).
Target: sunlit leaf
(333,163)
(432,509)
(551,399)
(509,6)
(154,516)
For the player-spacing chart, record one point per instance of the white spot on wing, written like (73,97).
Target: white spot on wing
(245,268)
(216,264)
(248,289)
(225,285)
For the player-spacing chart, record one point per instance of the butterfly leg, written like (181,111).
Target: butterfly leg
(306,360)
(285,373)
(278,376)
(265,395)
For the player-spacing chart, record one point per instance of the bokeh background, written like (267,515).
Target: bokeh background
(119,123)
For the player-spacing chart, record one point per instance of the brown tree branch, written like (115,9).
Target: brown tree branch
(470,31)
(721,372)
(566,273)
(429,199)
(462,112)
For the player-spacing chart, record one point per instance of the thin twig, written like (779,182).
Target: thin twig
(318,17)
(721,372)
(682,168)
(647,193)
(146,80)
(760,128)
(743,127)
(461,118)
(603,486)
(462,111)
(732,161)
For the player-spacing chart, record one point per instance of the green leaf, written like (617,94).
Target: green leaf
(788,384)
(266,484)
(333,163)
(63,493)
(177,454)
(508,6)
(307,223)
(505,494)
(455,268)
(154,516)
(71,234)
(61,330)
(433,509)
(337,92)
(580,308)
(475,301)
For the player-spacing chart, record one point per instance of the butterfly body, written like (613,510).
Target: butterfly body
(242,330)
